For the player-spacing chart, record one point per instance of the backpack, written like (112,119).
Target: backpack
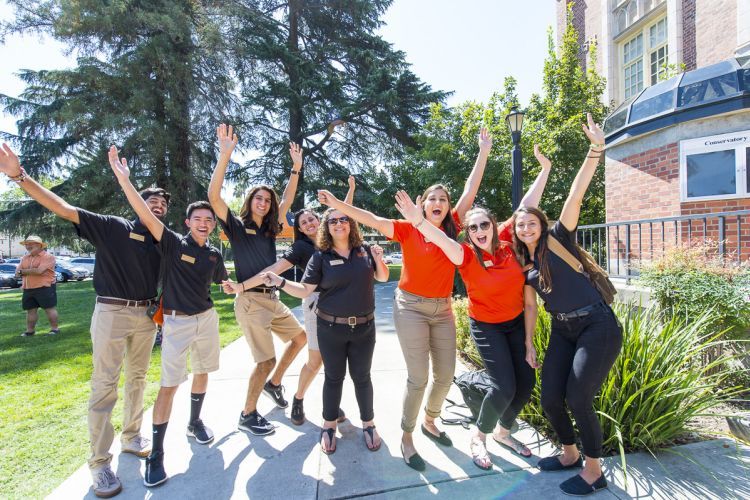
(596,275)
(473,386)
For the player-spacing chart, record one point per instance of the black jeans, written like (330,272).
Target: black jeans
(580,354)
(339,344)
(503,350)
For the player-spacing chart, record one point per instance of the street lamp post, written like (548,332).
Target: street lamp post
(515,123)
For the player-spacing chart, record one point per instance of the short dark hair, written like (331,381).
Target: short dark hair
(198,205)
(157,191)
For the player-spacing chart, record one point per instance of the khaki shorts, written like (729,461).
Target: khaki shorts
(200,334)
(259,314)
(311,320)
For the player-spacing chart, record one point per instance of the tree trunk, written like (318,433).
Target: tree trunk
(295,106)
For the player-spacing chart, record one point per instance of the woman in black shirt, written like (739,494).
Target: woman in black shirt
(586,337)
(343,270)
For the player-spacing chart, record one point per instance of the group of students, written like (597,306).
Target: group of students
(505,266)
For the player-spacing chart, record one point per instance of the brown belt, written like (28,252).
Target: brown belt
(261,289)
(345,320)
(169,312)
(124,302)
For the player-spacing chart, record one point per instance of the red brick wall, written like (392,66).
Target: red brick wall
(688,34)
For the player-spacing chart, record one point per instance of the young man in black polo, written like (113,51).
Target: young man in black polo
(190,265)
(126,277)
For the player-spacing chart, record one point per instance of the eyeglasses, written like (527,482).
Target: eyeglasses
(484,226)
(336,221)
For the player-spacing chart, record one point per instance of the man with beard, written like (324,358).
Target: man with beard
(126,277)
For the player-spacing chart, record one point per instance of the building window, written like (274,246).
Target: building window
(650,44)
(632,58)
(716,167)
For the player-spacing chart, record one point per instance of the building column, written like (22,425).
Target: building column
(743,28)
(674,31)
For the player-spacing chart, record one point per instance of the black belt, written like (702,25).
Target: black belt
(578,313)
(345,320)
(125,302)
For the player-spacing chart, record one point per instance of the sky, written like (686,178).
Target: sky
(464,46)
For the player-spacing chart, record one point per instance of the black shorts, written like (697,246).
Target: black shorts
(44,297)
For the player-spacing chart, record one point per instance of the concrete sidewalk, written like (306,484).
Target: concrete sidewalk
(289,463)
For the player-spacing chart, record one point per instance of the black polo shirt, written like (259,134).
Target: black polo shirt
(345,285)
(253,250)
(571,290)
(300,252)
(189,270)
(127,258)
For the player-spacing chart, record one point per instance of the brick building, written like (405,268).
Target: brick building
(678,149)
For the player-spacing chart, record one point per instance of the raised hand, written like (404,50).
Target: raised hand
(593,132)
(295,151)
(326,198)
(352,182)
(119,165)
(410,210)
(9,164)
(271,279)
(485,140)
(377,252)
(227,139)
(543,160)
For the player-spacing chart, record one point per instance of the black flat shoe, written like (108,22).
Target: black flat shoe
(550,464)
(442,439)
(578,487)
(414,461)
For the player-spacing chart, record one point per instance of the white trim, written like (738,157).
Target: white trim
(735,141)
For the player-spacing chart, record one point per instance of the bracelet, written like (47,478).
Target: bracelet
(295,172)
(597,147)
(283,282)
(419,223)
(20,177)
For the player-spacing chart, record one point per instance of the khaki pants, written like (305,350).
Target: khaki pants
(260,314)
(426,329)
(118,334)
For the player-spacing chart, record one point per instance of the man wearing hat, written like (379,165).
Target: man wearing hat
(37,268)
(126,276)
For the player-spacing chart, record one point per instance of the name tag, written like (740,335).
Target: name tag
(138,237)
(337,262)
(250,231)
(187,258)
(488,263)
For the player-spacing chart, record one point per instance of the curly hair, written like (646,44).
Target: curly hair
(448,224)
(271,219)
(325,240)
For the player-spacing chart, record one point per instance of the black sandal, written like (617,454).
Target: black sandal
(371,431)
(331,432)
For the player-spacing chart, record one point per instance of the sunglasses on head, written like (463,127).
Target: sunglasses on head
(484,226)
(340,220)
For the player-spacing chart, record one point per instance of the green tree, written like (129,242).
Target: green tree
(305,67)
(150,77)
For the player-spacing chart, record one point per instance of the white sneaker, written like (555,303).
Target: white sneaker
(138,446)
(106,483)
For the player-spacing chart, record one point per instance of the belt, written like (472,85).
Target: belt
(124,302)
(261,289)
(169,312)
(578,313)
(345,320)
(419,298)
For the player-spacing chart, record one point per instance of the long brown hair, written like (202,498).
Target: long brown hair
(448,225)
(271,219)
(494,240)
(522,252)
(298,234)
(325,240)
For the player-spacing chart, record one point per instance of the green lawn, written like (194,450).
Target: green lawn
(44,389)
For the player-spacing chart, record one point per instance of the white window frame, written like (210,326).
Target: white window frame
(644,31)
(737,141)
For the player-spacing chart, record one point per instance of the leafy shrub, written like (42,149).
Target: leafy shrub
(656,385)
(464,343)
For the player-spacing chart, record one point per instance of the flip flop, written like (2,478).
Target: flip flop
(371,431)
(517,447)
(477,455)
(331,440)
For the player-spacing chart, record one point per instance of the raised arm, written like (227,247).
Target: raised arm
(10,166)
(572,208)
(529,320)
(287,197)
(277,267)
(381,268)
(122,172)
(475,177)
(534,194)
(349,198)
(380,224)
(227,141)
(299,290)
(413,213)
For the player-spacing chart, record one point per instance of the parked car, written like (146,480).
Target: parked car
(86,263)
(8,276)
(59,276)
(13,261)
(70,273)
(393,258)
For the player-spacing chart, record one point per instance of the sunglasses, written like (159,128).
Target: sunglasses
(484,226)
(336,221)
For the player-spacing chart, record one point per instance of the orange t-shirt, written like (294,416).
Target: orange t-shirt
(44,261)
(496,290)
(426,271)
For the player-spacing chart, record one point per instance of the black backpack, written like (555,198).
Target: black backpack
(473,386)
